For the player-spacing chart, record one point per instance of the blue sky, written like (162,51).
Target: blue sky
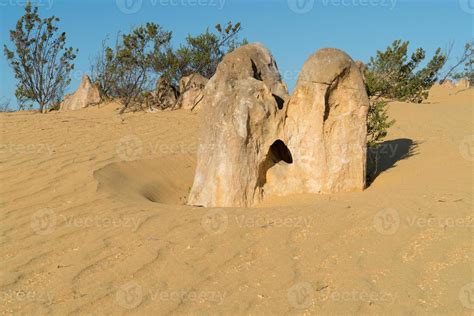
(291,29)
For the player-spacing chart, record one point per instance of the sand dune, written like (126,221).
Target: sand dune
(93,221)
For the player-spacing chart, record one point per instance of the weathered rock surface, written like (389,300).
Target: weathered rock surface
(257,141)
(463,83)
(191,90)
(241,117)
(448,84)
(166,94)
(87,94)
(325,129)
(362,67)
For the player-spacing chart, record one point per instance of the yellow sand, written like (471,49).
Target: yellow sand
(84,230)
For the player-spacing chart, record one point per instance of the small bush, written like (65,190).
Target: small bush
(125,71)
(5,105)
(40,60)
(129,70)
(378,123)
(467,60)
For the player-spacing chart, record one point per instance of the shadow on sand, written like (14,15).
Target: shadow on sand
(386,155)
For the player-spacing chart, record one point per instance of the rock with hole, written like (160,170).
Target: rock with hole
(325,129)
(242,117)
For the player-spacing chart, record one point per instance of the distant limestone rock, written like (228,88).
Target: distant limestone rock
(87,94)
(448,84)
(191,91)
(166,94)
(255,140)
(463,83)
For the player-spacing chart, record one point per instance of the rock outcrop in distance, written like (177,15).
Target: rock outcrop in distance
(257,140)
(463,83)
(86,95)
(166,95)
(191,90)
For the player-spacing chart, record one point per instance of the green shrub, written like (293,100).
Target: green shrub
(467,60)
(41,62)
(392,74)
(129,70)
(378,122)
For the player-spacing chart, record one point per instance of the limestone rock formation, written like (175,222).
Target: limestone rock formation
(463,83)
(448,84)
(87,94)
(191,91)
(241,117)
(256,140)
(166,94)
(325,129)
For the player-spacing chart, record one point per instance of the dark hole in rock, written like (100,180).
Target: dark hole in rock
(279,151)
(256,73)
(280,102)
